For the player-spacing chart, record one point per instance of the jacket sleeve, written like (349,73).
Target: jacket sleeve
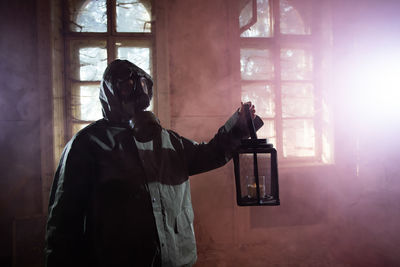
(65,242)
(219,150)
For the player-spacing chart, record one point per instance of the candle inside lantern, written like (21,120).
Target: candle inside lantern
(252,186)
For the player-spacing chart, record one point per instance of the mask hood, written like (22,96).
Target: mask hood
(109,98)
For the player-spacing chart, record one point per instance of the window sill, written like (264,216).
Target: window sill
(304,166)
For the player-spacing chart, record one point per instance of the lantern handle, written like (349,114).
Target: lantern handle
(250,122)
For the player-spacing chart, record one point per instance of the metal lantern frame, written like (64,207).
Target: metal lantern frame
(255,147)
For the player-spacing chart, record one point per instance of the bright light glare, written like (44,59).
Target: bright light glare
(377,86)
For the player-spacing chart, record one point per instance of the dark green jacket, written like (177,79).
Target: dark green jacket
(121,196)
(117,201)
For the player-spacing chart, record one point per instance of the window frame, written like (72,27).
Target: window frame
(110,37)
(276,42)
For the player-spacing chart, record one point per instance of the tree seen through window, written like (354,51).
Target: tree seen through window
(278,74)
(100,31)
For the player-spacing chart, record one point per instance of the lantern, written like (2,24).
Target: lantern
(256,170)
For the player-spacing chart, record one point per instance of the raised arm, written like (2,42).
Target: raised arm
(219,150)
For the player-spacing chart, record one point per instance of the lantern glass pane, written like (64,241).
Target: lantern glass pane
(248,185)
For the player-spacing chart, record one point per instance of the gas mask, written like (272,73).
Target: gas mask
(134,90)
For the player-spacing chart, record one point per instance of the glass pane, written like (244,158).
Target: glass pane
(139,56)
(86,104)
(133,16)
(93,62)
(296,64)
(297,100)
(267,131)
(248,187)
(298,138)
(327,153)
(295,17)
(88,16)
(256,64)
(246,14)
(262,28)
(262,97)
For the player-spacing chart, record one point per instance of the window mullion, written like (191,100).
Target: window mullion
(275,18)
(278,101)
(318,120)
(277,82)
(111,16)
(111,55)
(67,91)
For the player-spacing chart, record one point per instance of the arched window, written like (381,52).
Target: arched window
(97,32)
(281,62)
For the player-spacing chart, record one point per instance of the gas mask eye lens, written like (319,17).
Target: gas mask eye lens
(143,83)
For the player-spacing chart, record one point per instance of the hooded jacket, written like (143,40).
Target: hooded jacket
(121,193)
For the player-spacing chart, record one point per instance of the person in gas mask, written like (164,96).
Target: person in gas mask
(121,193)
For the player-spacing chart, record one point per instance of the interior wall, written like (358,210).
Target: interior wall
(203,96)
(20,150)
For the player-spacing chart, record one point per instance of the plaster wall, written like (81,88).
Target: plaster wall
(20,161)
